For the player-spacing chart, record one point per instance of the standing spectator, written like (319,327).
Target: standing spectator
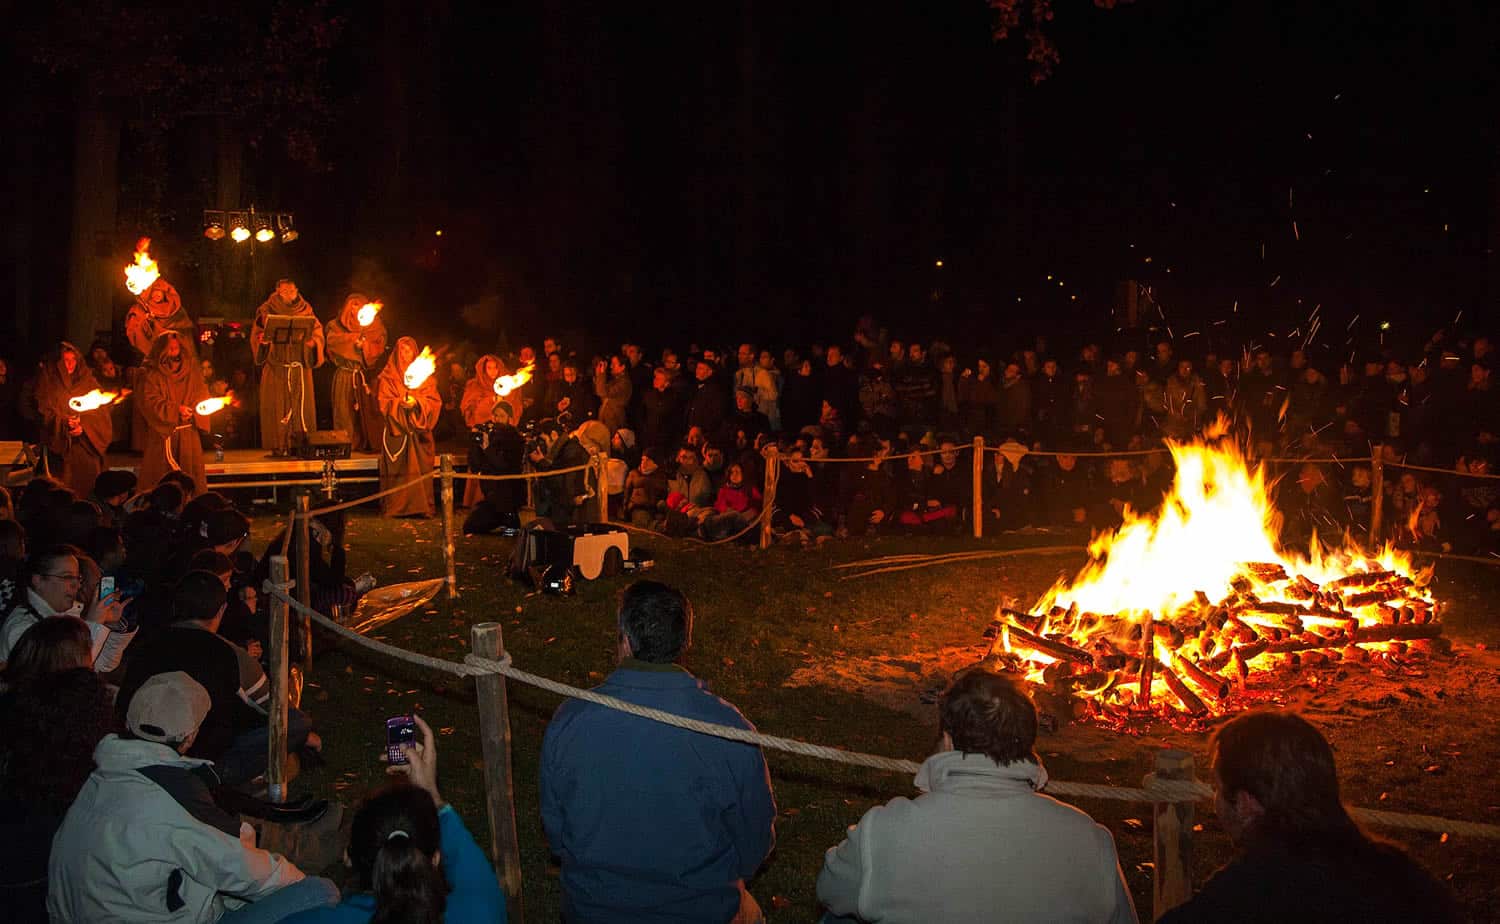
(878,399)
(747,424)
(1119,404)
(661,413)
(768,389)
(569,399)
(979,399)
(145,841)
(1302,858)
(840,384)
(640,373)
(613,389)
(1014,412)
(916,386)
(478,408)
(1261,395)
(699,819)
(709,404)
(980,843)
(802,397)
(1185,399)
(948,389)
(415,860)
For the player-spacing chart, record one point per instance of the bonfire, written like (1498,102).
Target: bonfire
(1178,610)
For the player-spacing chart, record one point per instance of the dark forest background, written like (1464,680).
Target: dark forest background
(773,170)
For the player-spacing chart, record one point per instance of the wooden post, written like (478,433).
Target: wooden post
(1172,836)
(447,495)
(1377,494)
(304,573)
(976,513)
(278,660)
(487,640)
(601,461)
(768,497)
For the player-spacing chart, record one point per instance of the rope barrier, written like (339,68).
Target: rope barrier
(291,483)
(1442,471)
(951,558)
(524,476)
(1159,790)
(359,501)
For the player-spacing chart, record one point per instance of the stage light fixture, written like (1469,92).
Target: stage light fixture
(263,232)
(213,225)
(239,227)
(284,225)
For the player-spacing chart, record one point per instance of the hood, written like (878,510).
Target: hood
(955,771)
(116,754)
(161,299)
(396,362)
(593,436)
(158,354)
(349,314)
(487,381)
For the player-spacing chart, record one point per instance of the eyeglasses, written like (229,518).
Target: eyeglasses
(66,578)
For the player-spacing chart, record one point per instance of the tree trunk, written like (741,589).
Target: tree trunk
(95,263)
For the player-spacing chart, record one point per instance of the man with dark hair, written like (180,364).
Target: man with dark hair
(233,734)
(1302,857)
(653,822)
(980,843)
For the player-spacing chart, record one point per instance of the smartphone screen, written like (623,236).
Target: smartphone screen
(106,586)
(399,730)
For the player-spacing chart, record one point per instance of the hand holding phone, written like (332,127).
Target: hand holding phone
(399,730)
(419,757)
(106,585)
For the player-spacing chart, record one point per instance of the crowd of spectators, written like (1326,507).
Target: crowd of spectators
(688,435)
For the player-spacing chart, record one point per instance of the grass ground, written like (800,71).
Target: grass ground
(766,621)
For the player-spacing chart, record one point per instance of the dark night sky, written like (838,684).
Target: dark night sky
(713,169)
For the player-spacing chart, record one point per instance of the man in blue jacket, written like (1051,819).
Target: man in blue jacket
(653,822)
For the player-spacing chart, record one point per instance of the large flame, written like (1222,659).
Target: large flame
(368,311)
(94,400)
(421,368)
(506,384)
(140,274)
(214,405)
(1202,585)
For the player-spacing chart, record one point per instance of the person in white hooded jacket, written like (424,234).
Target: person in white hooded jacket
(144,840)
(981,843)
(60,582)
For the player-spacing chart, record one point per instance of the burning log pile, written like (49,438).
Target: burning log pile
(1126,638)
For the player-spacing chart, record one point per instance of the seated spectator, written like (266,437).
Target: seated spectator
(1302,858)
(646,490)
(798,513)
(234,731)
(54,579)
(48,647)
(923,510)
(736,506)
(980,843)
(415,861)
(332,588)
(48,731)
(698,820)
(144,840)
(112,489)
(240,624)
(867,494)
(12,563)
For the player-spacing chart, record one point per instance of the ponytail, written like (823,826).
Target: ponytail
(392,843)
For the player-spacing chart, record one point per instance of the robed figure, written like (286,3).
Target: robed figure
(171,385)
(154,312)
(356,350)
(407,449)
(74,441)
(287,411)
(478,406)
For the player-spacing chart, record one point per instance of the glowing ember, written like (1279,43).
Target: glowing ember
(94,400)
(368,311)
(1177,608)
(421,368)
(213,405)
(140,274)
(506,384)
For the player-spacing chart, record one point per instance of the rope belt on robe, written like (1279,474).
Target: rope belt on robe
(166,442)
(300,407)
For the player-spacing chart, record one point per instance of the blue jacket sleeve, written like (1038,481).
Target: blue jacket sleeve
(475,894)
(752,824)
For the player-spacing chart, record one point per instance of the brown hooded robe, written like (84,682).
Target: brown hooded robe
(75,459)
(173,443)
(356,353)
(154,312)
(407,449)
(287,411)
(478,406)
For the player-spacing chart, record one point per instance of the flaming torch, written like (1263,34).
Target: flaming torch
(421,369)
(140,274)
(214,405)
(368,311)
(506,384)
(95,399)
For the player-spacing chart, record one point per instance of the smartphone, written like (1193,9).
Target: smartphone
(106,586)
(399,730)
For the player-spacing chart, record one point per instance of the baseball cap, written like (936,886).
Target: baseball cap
(167,708)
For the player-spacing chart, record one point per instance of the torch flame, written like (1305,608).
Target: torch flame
(140,274)
(213,405)
(506,384)
(94,400)
(421,368)
(368,311)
